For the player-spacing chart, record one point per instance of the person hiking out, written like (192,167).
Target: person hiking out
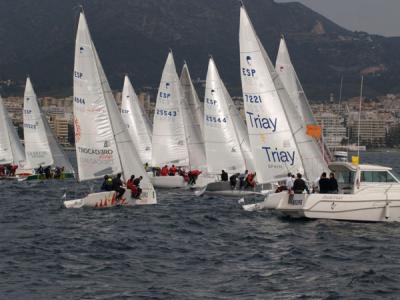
(172,171)
(107,184)
(117,185)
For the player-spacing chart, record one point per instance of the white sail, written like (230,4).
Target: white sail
(169,139)
(193,132)
(37,148)
(103,143)
(271,138)
(60,160)
(241,132)
(223,149)
(277,133)
(136,120)
(6,155)
(192,98)
(290,80)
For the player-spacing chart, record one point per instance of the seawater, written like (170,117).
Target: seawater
(187,248)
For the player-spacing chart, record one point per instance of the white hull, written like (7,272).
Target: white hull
(371,205)
(108,199)
(168,182)
(171,182)
(223,188)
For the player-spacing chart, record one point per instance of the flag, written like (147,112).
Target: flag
(314,131)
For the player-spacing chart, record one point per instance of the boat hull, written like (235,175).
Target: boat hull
(171,182)
(223,188)
(109,199)
(368,207)
(43,177)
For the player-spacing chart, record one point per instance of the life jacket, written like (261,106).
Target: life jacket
(195,172)
(164,171)
(130,185)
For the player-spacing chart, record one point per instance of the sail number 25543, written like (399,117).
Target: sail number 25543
(166,113)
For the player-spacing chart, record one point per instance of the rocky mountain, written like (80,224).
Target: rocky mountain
(133,36)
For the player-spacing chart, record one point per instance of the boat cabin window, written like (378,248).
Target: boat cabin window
(345,177)
(377,176)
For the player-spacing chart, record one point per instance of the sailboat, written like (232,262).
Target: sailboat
(11,149)
(177,138)
(41,147)
(290,80)
(103,144)
(226,139)
(137,121)
(278,135)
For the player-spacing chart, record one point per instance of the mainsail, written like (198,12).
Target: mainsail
(223,147)
(103,143)
(277,133)
(169,137)
(37,148)
(290,80)
(11,150)
(137,122)
(271,138)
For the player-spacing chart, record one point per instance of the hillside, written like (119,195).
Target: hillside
(133,36)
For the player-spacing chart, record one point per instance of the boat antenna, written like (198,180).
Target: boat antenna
(359,117)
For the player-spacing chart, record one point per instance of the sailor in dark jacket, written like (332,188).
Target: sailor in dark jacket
(300,185)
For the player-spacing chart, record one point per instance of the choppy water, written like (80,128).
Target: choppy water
(187,248)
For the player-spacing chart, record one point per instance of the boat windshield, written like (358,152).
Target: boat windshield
(377,176)
(345,176)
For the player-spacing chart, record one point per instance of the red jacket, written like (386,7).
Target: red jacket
(164,171)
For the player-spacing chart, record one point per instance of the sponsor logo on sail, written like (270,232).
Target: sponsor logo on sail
(77,130)
(277,156)
(265,123)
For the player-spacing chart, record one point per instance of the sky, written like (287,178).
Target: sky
(373,16)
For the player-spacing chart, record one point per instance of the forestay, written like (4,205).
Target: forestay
(271,138)
(137,122)
(223,149)
(290,80)
(37,148)
(169,140)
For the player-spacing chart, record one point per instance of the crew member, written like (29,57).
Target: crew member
(300,185)
(323,184)
(172,171)
(107,183)
(193,174)
(117,185)
(250,182)
(164,171)
(333,184)
(136,183)
(224,176)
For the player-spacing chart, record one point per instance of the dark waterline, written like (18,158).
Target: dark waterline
(187,248)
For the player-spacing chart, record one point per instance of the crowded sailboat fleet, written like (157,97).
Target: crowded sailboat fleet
(205,146)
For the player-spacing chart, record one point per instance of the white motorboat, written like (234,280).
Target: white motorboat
(103,143)
(366,193)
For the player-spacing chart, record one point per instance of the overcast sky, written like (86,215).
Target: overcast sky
(372,16)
